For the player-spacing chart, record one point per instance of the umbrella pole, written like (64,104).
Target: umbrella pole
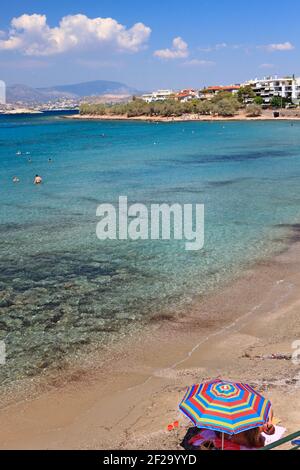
(222,441)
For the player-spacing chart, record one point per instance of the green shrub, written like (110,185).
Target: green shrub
(253,110)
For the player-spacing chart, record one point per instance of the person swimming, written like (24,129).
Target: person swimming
(37,180)
(16,179)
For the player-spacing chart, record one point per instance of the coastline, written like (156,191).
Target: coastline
(128,401)
(17,111)
(266,116)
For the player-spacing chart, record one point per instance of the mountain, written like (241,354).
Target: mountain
(24,93)
(97,87)
(75,91)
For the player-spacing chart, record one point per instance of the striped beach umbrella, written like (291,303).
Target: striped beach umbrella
(225,406)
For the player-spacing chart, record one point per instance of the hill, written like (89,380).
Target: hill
(75,91)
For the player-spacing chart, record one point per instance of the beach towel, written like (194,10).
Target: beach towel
(279,432)
(204,439)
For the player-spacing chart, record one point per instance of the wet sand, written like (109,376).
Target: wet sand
(128,401)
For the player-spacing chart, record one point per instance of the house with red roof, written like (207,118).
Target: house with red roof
(186,95)
(211,91)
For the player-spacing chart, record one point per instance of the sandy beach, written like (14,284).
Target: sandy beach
(245,332)
(149,231)
(241,116)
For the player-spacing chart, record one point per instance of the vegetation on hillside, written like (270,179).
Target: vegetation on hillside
(223,104)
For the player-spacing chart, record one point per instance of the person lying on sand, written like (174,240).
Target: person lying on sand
(205,439)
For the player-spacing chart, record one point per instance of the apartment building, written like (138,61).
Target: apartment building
(159,95)
(267,88)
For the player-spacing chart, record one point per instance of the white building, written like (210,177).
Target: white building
(186,95)
(2,92)
(159,95)
(269,87)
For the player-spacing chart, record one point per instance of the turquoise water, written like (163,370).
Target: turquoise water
(61,289)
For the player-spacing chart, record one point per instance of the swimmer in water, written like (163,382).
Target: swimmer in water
(37,179)
(15,179)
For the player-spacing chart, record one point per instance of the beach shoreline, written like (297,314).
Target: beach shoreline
(266,116)
(127,401)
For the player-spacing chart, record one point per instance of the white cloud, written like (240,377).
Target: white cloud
(216,47)
(284,46)
(32,36)
(199,63)
(222,45)
(266,66)
(179,50)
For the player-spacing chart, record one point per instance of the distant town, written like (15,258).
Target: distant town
(21,107)
(269,92)
(263,92)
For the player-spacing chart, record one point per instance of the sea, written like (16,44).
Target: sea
(64,291)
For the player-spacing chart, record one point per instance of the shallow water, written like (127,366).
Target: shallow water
(61,289)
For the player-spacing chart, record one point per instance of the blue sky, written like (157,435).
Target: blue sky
(147,44)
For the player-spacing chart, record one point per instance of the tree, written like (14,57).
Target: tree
(245,93)
(191,106)
(92,109)
(224,104)
(277,102)
(221,96)
(204,107)
(258,100)
(225,107)
(253,110)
